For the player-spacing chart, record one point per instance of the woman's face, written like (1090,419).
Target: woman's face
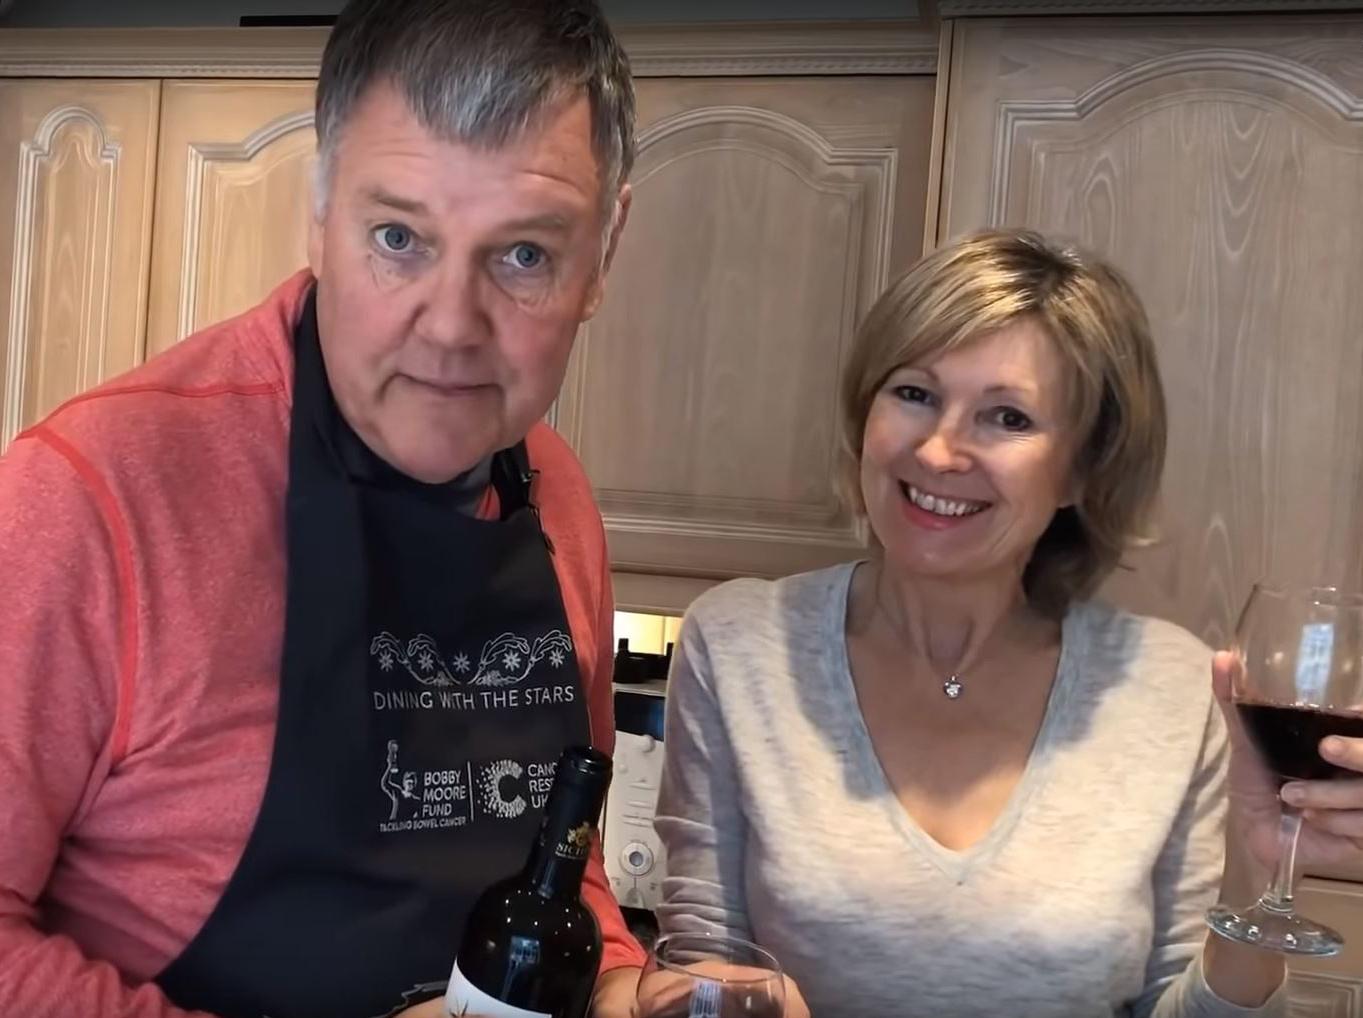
(967,458)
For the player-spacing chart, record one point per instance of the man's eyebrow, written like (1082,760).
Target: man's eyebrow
(553,222)
(379,196)
(549,222)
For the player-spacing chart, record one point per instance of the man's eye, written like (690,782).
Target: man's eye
(526,256)
(394,239)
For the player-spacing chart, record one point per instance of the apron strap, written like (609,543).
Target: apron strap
(514,479)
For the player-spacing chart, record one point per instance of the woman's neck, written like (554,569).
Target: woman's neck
(951,625)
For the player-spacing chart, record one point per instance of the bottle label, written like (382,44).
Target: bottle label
(576,845)
(464,998)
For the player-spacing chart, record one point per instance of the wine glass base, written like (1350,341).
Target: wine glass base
(1274,930)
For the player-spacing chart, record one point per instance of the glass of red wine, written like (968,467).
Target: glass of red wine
(696,975)
(1298,677)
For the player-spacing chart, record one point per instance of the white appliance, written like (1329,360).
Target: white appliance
(634,855)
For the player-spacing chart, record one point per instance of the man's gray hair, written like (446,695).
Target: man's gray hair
(480,72)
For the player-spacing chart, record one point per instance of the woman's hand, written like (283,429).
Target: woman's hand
(1332,832)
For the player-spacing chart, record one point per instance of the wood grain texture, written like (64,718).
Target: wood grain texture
(76,172)
(933,213)
(1314,996)
(657,593)
(233,200)
(703,399)
(895,46)
(1215,161)
(1331,987)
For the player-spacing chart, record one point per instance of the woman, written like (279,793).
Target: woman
(942,781)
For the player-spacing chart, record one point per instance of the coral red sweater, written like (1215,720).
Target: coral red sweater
(142,554)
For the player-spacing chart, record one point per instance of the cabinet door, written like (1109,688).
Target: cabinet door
(1220,163)
(233,199)
(1330,987)
(768,214)
(77,160)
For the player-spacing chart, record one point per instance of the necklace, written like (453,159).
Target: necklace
(953,686)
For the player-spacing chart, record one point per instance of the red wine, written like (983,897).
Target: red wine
(530,948)
(1289,738)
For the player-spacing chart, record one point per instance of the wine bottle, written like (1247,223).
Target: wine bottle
(530,948)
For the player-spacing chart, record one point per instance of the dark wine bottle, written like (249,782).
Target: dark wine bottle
(530,948)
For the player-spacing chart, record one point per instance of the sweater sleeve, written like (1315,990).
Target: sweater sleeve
(618,946)
(67,651)
(699,815)
(1186,881)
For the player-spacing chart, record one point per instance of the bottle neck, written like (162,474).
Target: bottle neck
(558,859)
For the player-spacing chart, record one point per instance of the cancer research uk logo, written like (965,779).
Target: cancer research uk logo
(496,801)
(505,661)
(459,794)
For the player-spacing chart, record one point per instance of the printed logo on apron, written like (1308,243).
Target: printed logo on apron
(464,792)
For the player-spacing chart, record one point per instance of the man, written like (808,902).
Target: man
(301,614)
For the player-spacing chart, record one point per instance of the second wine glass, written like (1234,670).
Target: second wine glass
(696,975)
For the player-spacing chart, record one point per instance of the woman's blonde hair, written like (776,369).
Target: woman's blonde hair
(962,291)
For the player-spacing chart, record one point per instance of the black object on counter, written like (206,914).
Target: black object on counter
(636,666)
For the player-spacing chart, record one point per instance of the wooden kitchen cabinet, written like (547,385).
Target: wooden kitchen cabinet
(768,215)
(233,200)
(1331,987)
(77,165)
(1219,162)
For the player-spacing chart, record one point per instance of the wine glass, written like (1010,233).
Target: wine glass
(1298,677)
(697,975)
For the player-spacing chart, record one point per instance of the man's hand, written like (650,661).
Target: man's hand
(795,1001)
(615,993)
(430,1009)
(669,993)
(614,998)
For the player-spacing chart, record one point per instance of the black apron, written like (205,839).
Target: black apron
(428,684)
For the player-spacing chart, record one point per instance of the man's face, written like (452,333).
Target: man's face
(452,280)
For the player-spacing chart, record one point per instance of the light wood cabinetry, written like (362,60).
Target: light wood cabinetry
(77,163)
(768,215)
(1219,161)
(233,199)
(1331,987)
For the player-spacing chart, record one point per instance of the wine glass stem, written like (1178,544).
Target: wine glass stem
(1278,897)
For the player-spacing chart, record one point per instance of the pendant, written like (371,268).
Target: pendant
(952,688)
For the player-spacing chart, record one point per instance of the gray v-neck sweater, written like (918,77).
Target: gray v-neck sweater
(1084,899)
